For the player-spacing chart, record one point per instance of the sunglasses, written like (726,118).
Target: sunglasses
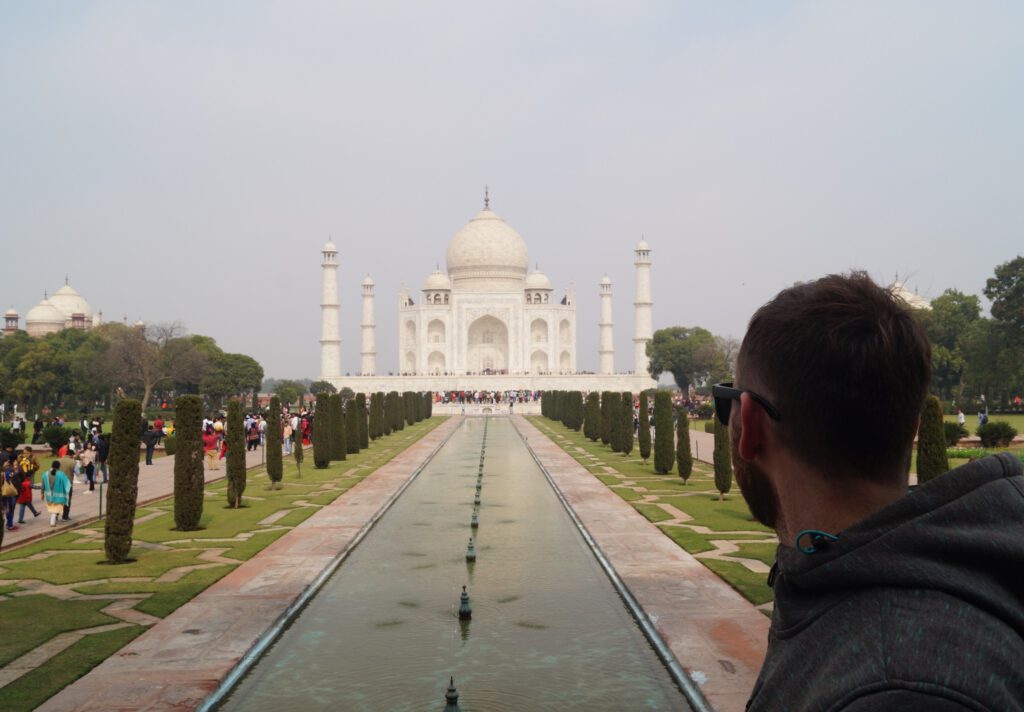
(724,394)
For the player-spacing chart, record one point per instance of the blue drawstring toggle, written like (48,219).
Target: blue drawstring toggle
(817,537)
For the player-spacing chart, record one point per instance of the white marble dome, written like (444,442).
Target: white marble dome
(437,280)
(538,280)
(69,302)
(329,246)
(11,312)
(487,254)
(44,318)
(367,281)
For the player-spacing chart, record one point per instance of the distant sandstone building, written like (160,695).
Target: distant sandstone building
(487,322)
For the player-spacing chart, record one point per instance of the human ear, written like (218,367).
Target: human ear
(752,435)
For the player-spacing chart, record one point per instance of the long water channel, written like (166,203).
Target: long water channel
(548,630)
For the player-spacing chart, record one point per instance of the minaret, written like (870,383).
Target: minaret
(606,350)
(643,331)
(369,326)
(330,337)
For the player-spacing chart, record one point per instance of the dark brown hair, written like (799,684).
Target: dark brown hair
(848,367)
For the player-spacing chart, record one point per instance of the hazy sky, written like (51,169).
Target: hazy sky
(187,160)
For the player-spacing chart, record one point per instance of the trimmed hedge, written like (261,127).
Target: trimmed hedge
(339,446)
(188,463)
(123,492)
(931,442)
(723,460)
(322,432)
(664,447)
(275,465)
(997,433)
(643,433)
(235,435)
(684,457)
(626,423)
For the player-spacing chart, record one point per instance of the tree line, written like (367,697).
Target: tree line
(977,360)
(91,369)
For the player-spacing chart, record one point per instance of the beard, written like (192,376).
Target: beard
(757,489)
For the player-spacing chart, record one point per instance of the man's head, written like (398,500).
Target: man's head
(847,368)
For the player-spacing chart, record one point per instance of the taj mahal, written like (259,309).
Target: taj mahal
(487,323)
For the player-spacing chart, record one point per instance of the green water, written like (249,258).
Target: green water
(548,630)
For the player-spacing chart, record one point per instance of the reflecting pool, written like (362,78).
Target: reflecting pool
(548,630)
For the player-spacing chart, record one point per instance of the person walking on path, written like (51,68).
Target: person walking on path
(56,490)
(210,449)
(102,453)
(87,462)
(25,499)
(150,439)
(9,493)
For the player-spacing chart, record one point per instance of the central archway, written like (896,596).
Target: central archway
(487,348)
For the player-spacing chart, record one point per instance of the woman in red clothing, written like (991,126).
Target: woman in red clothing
(210,448)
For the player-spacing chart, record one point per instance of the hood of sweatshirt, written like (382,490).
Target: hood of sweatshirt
(961,533)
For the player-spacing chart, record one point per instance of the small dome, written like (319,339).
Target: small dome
(367,281)
(329,247)
(538,280)
(437,280)
(606,280)
(487,254)
(69,302)
(45,313)
(140,324)
(642,245)
(11,312)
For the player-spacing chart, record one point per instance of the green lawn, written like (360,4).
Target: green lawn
(75,559)
(1016,420)
(727,519)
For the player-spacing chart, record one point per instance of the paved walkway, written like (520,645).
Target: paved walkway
(716,635)
(180,661)
(156,481)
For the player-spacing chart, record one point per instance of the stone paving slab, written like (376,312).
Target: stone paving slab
(180,661)
(717,636)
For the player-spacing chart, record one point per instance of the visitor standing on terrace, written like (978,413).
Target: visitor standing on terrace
(884,600)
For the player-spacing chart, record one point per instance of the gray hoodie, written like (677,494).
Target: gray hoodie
(920,606)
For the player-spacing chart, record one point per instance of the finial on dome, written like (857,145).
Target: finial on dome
(487,197)
(65,279)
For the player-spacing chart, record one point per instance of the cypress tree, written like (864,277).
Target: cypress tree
(429,400)
(373,428)
(322,447)
(188,463)
(395,412)
(364,425)
(351,428)
(410,408)
(615,420)
(592,423)
(275,467)
(723,460)
(627,423)
(298,454)
(643,433)
(684,460)
(931,442)
(606,417)
(235,436)
(123,462)
(664,448)
(385,424)
(339,448)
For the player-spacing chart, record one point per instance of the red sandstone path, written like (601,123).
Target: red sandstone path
(717,636)
(156,481)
